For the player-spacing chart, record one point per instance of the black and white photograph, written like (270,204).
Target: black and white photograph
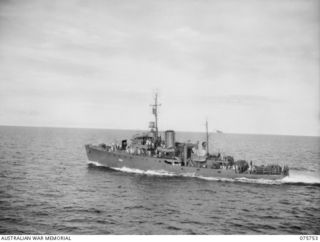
(168,117)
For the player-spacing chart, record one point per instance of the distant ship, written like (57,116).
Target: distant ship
(148,151)
(219,132)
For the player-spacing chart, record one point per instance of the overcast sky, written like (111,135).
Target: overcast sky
(249,66)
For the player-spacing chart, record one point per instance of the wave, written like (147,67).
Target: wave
(243,180)
(193,175)
(94,163)
(292,179)
(148,172)
(303,178)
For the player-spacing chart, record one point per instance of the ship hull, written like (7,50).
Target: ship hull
(120,159)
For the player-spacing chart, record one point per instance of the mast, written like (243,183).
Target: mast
(207,146)
(155,113)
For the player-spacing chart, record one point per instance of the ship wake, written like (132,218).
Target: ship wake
(295,178)
(148,172)
(95,163)
(303,178)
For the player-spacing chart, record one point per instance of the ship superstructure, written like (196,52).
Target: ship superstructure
(149,151)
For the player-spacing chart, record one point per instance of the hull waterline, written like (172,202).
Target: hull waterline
(120,159)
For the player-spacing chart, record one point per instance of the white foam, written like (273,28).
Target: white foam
(94,163)
(148,172)
(293,178)
(305,178)
(166,173)
(191,174)
(159,173)
(242,179)
(216,179)
(129,170)
(259,181)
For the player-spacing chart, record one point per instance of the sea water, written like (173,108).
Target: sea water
(47,186)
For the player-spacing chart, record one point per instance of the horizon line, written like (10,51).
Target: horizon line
(122,129)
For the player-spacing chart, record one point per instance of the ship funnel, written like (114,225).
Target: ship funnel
(169,138)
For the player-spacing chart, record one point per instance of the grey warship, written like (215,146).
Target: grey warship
(149,151)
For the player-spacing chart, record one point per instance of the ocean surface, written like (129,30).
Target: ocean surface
(47,186)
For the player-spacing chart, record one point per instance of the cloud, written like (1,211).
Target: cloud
(222,56)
